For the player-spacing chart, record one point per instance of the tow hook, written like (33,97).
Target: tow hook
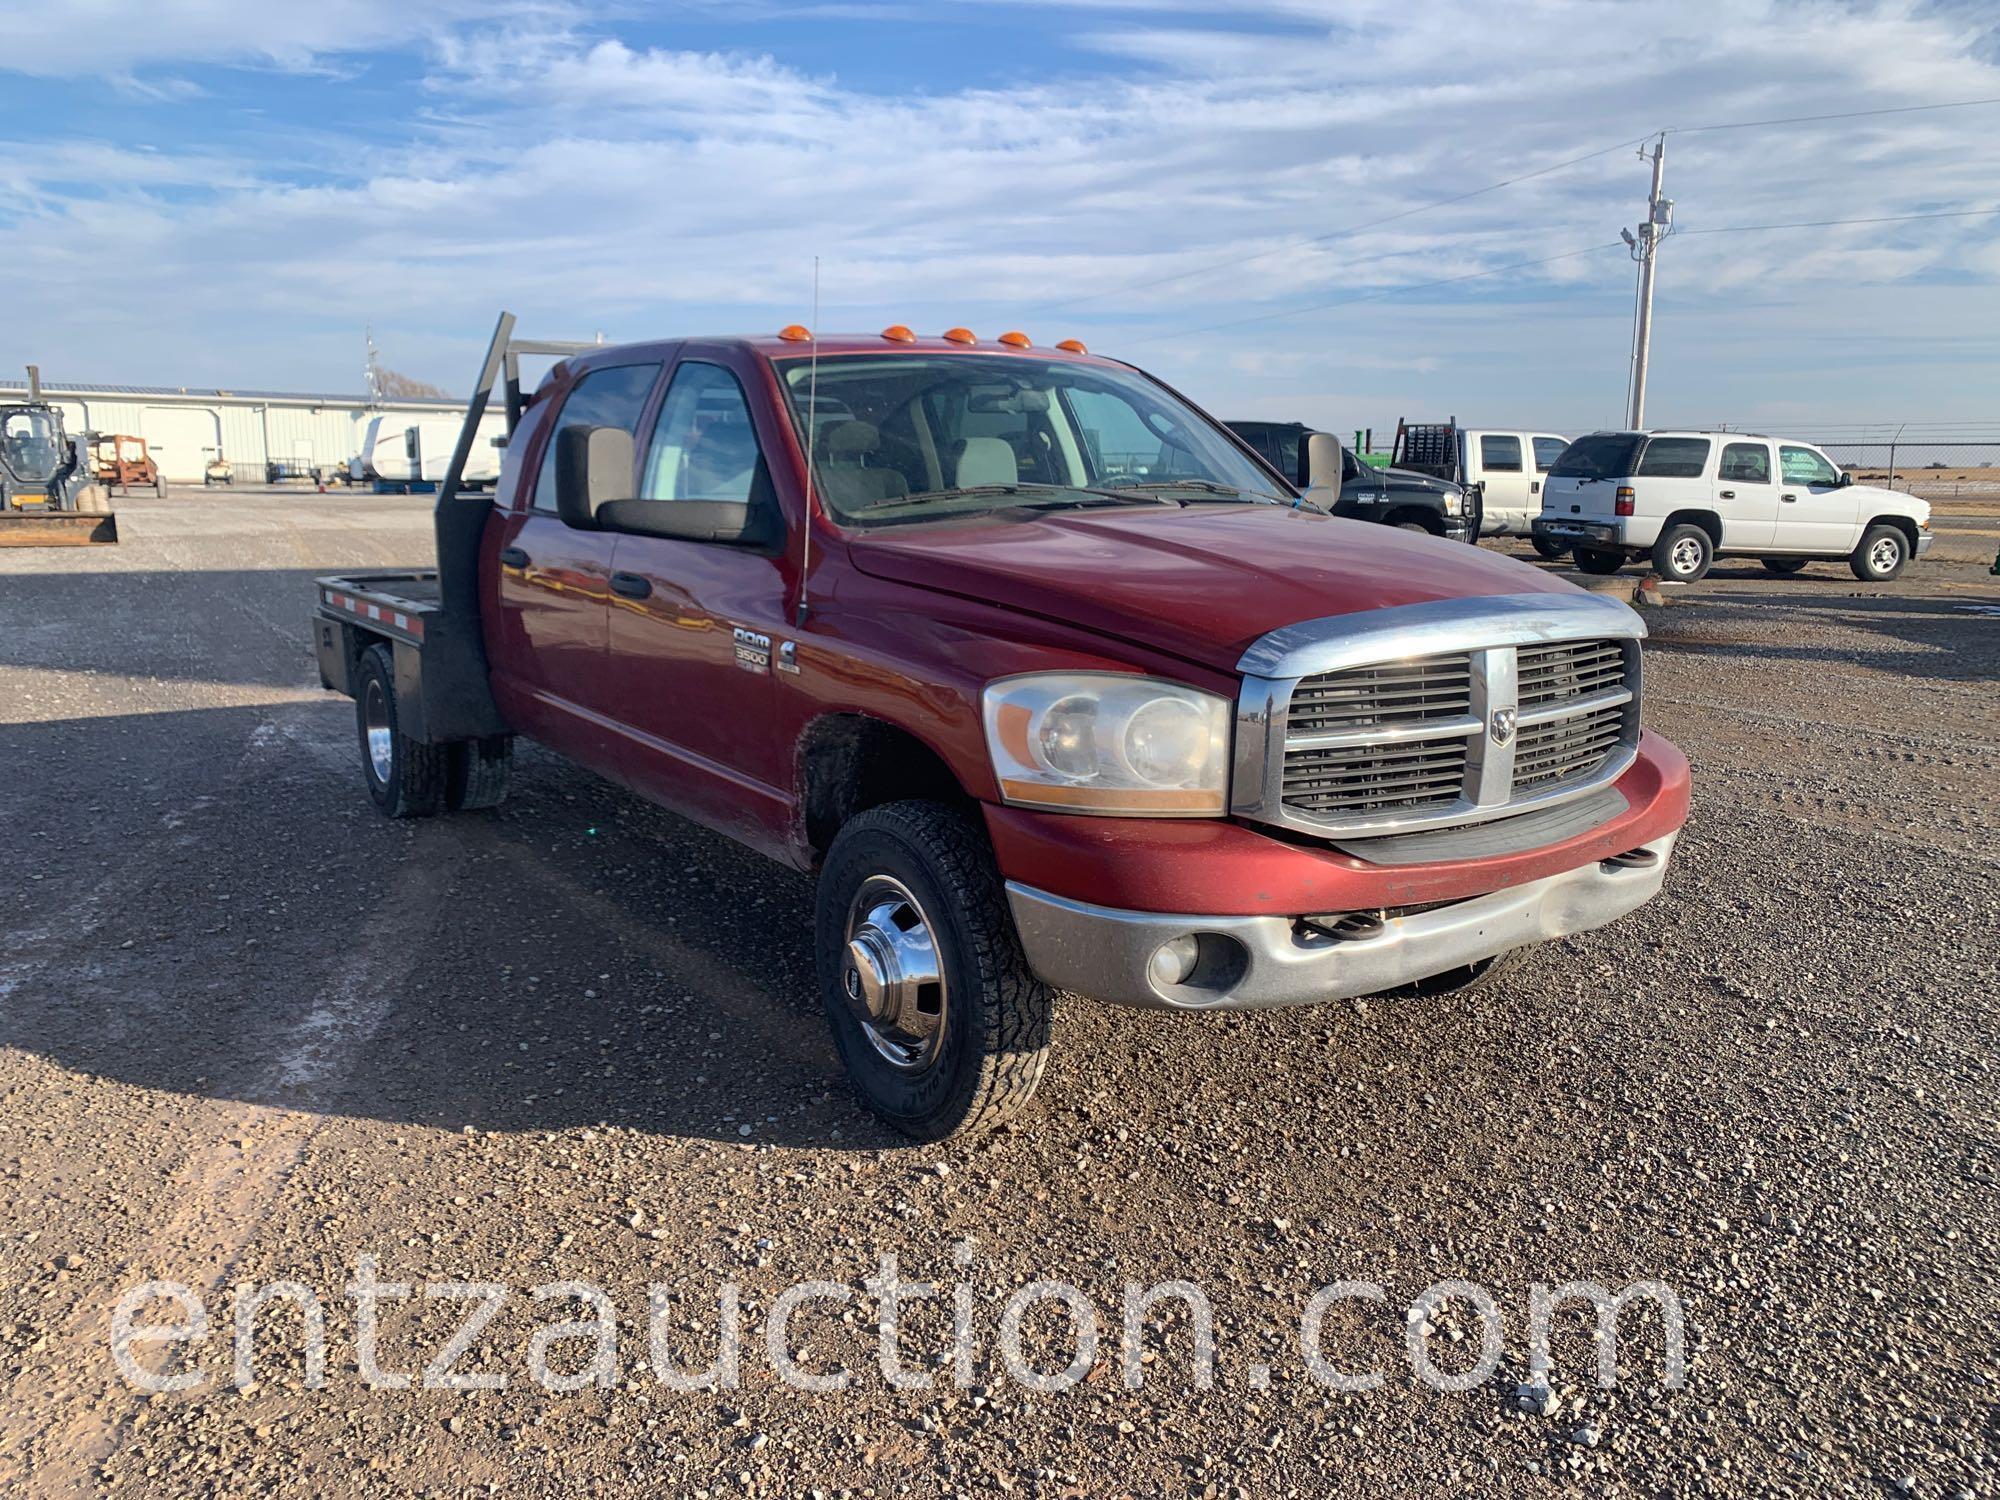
(1348,926)
(1633,859)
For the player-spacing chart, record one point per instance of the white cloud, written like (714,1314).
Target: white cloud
(593,183)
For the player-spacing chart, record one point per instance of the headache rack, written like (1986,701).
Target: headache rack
(431,618)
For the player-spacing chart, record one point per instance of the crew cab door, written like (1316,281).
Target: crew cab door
(1499,459)
(1746,494)
(697,628)
(546,642)
(1816,513)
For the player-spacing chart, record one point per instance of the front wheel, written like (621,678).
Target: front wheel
(1549,548)
(943,1028)
(1595,560)
(1881,556)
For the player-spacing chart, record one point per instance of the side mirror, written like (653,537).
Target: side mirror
(729,523)
(593,468)
(1322,461)
(1845,479)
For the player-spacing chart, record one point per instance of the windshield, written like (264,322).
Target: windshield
(1601,455)
(31,444)
(919,437)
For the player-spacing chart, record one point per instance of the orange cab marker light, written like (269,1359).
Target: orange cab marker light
(1073,346)
(896,333)
(795,333)
(1015,339)
(961,336)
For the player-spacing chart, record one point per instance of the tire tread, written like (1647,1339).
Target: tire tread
(1012,1045)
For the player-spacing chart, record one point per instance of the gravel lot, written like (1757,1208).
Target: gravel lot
(250,1031)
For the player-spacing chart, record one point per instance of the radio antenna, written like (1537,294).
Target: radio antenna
(812,432)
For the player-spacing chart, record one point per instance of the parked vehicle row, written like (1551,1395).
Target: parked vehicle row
(1052,682)
(1678,499)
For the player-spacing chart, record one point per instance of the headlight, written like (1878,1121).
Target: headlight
(1095,742)
(1454,502)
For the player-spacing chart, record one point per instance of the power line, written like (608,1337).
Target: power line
(1950,213)
(1850,114)
(1393,291)
(1334,234)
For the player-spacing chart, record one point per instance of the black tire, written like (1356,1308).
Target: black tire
(411,781)
(160,487)
(1596,560)
(1683,554)
(1460,981)
(992,1034)
(1548,547)
(1414,526)
(1884,552)
(1783,567)
(476,773)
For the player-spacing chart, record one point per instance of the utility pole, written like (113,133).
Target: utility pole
(1645,250)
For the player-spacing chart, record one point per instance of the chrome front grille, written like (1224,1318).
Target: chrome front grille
(1562,749)
(1344,779)
(1437,687)
(1568,669)
(1500,719)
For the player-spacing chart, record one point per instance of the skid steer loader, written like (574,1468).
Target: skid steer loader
(49,494)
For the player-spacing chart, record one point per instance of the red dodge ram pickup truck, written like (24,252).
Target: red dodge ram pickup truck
(1053,683)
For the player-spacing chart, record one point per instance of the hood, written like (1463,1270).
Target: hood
(1200,583)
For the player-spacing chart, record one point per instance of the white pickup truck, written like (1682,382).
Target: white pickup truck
(1504,467)
(1685,498)
(1511,468)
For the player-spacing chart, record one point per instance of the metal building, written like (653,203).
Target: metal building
(186,428)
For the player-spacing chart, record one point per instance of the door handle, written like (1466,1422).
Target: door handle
(1535,487)
(1788,499)
(630,585)
(513,557)
(1727,495)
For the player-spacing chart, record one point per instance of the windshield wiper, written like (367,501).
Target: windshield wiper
(1225,494)
(1072,495)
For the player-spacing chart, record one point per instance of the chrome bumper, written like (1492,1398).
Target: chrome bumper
(1925,541)
(1600,533)
(1249,963)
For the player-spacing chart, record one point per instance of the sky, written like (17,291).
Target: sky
(1239,198)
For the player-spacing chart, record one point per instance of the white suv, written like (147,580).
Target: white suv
(1686,498)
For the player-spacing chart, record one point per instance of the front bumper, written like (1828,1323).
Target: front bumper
(1254,962)
(1925,541)
(1580,533)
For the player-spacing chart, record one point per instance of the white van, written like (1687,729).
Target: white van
(1686,498)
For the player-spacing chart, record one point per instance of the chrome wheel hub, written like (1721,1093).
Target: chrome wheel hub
(1686,555)
(892,975)
(376,736)
(1884,555)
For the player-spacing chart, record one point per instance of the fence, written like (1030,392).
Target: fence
(1934,468)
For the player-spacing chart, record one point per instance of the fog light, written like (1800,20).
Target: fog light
(1174,961)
